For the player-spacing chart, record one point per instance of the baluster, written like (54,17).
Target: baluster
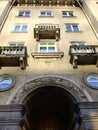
(41,2)
(57,2)
(34,3)
(49,2)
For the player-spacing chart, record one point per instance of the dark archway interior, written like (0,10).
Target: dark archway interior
(49,108)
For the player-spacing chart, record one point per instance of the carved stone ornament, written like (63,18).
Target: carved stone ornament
(75,91)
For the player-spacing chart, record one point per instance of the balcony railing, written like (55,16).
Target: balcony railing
(47,31)
(46,2)
(13,56)
(47,55)
(82,55)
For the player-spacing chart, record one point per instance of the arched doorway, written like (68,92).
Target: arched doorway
(50,103)
(50,108)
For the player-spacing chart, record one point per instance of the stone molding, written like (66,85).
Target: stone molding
(65,84)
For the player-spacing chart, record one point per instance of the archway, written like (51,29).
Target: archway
(50,103)
(50,108)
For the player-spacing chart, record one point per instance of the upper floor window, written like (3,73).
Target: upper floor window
(46,13)
(78,43)
(16,43)
(67,14)
(20,28)
(47,47)
(24,13)
(72,28)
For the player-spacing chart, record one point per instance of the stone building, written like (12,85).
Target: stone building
(48,64)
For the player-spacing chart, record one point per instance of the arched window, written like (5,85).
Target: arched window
(6,81)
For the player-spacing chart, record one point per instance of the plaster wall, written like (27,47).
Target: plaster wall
(50,66)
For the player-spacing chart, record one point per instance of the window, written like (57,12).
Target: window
(24,13)
(91,80)
(46,13)
(78,43)
(67,14)
(47,47)
(20,28)
(6,81)
(72,28)
(16,43)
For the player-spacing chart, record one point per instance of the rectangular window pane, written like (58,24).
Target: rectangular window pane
(78,43)
(17,28)
(43,49)
(75,28)
(42,13)
(48,13)
(27,13)
(64,14)
(43,44)
(68,28)
(51,44)
(70,14)
(24,28)
(16,43)
(21,13)
(51,49)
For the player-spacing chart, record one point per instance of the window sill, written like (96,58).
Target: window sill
(23,16)
(18,32)
(47,55)
(74,31)
(69,16)
(46,16)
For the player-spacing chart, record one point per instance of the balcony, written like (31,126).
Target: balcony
(46,2)
(47,31)
(47,55)
(13,56)
(83,55)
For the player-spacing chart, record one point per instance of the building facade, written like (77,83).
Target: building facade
(48,64)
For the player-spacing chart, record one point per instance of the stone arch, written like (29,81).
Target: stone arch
(79,93)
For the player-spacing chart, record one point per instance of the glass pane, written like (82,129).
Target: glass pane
(21,13)
(43,44)
(42,13)
(5,82)
(17,28)
(43,49)
(48,13)
(24,28)
(75,28)
(70,14)
(51,49)
(78,43)
(64,14)
(27,13)
(93,81)
(68,28)
(51,44)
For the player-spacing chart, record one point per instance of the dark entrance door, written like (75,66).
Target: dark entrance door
(49,108)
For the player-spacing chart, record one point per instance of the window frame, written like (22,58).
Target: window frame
(24,13)
(67,14)
(47,47)
(46,12)
(16,43)
(78,43)
(20,28)
(7,77)
(87,81)
(72,28)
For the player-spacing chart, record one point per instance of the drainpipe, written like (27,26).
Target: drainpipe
(96,34)
(11,5)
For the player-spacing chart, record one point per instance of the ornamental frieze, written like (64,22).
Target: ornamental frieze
(67,85)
